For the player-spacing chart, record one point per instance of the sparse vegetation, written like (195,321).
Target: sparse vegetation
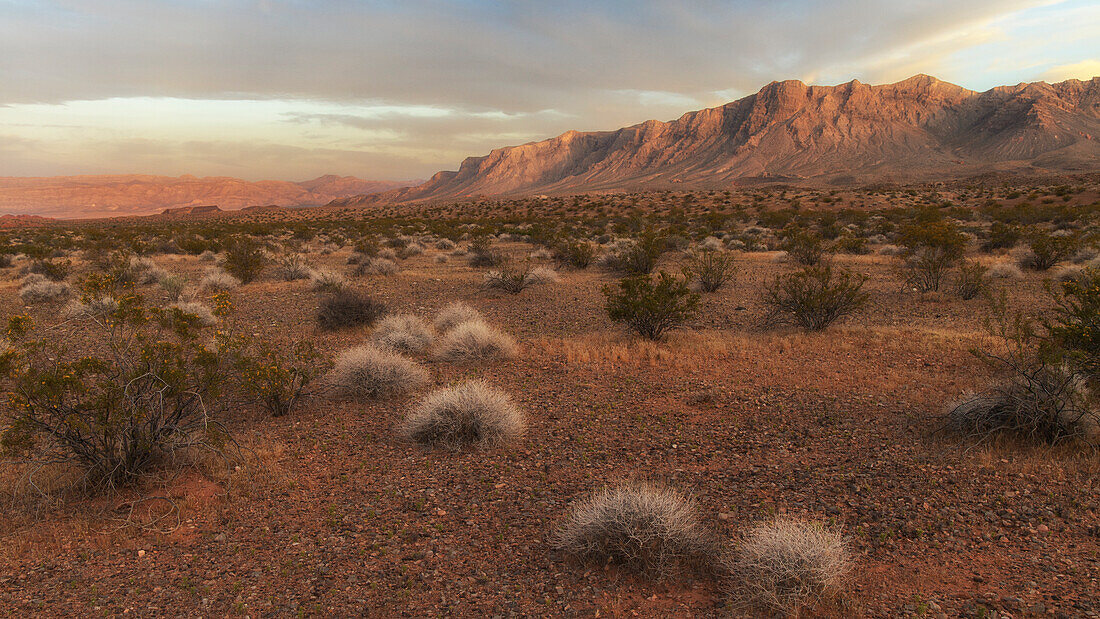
(651,306)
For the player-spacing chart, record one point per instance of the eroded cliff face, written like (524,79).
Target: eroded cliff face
(916,129)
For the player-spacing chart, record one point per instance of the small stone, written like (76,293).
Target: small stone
(141,553)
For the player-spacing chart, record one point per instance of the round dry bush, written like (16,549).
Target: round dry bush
(474,340)
(205,314)
(377,266)
(542,253)
(370,373)
(208,256)
(440,258)
(325,281)
(94,308)
(38,289)
(403,332)
(469,414)
(646,529)
(712,243)
(387,254)
(145,271)
(217,280)
(1005,270)
(455,314)
(543,275)
(891,250)
(787,565)
(445,244)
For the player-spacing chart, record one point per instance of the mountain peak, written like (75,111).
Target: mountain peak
(917,129)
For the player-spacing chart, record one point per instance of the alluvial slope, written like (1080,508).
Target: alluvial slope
(135,194)
(915,129)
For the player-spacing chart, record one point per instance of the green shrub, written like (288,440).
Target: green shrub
(1075,323)
(932,248)
(245,258)
(148,391)
(711,269)
(1047,250)
(577,254)
(637,258)
(814,297)
(651,307)
(275,380)
(805,247)
(1002,236)
(54,270)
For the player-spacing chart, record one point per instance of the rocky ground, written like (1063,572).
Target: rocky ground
(326,512)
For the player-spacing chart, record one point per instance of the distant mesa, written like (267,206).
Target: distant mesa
(916,130)
(137,194)
(193,210)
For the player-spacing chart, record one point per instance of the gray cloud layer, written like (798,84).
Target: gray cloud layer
(548,66)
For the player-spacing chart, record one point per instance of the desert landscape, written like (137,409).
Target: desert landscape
(306,487)
(723,309)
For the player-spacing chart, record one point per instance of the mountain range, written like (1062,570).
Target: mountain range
(917,129)
(135,194)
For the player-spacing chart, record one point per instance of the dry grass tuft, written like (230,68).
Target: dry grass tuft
(38,289)
(455,314)
(1005,270)
(468,414)
(646,529)
(787,565)
(370,373)
(217,280)
(403,332)
(204,313)
(474,340)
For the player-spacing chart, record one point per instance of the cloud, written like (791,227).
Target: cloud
(1084,70)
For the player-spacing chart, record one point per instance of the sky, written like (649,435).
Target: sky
(399,89)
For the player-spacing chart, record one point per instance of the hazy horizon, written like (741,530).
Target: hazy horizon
(396,91)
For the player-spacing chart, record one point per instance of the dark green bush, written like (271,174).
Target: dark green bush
(575,253)
(932,248)
(649,306)
(347,308)
(245,258)
(1047,250)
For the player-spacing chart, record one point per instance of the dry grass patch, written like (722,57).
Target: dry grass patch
(788,565)
(455,314)
(643,528)
(475,341)
(369,373)
(404,332)
(469,414)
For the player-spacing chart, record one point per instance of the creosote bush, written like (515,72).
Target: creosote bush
(787,565)
(932,248)
(814,297)
(1047,250)
(367,372)
(291,267)
(468,414)
(148,391)
(347,308)
(643,528)
(710,269)
(403,332)
(474,340)
(971,280)
(575,253)
(636,257)
(651,306)
(805,247)
(245,258)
